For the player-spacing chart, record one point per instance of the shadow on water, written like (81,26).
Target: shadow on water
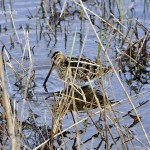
(51,26)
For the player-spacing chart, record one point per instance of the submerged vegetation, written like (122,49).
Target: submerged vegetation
(109,112)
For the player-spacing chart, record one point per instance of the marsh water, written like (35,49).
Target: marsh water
(29,16)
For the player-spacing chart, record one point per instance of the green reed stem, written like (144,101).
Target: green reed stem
(73,44)
(99,46)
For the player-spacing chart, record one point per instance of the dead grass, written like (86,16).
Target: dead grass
(74,99)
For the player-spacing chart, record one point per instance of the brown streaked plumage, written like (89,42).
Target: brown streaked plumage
(86,67)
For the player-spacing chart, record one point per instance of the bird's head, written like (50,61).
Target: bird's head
(58,57)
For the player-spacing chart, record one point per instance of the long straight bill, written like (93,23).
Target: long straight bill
(44,84)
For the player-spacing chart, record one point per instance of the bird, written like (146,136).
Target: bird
(80,68)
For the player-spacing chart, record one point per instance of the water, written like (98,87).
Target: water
(28,16)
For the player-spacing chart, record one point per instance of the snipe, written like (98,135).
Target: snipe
(85,67)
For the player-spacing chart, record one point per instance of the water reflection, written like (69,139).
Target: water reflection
(49,31)
(135,61)
(84,98)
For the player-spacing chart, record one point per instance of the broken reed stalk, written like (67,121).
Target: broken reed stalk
(63,8)
(30,67)
(13,24)
(5,102)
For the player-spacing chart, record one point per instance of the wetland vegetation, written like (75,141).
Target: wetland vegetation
(110,111)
